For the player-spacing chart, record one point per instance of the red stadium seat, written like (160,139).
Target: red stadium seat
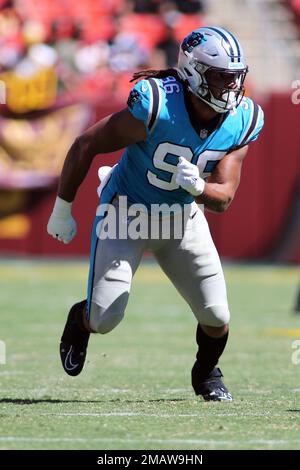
(101,28)
(92,8)
(185,24)
(149,28)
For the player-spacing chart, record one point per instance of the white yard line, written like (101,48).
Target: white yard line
(158,415)
(135,413)
(56,389)
(11,372)
(149,441)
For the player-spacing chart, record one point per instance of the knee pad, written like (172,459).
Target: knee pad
(214,315)
(103,320)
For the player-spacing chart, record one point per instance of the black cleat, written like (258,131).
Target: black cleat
(74,341)
(213,388)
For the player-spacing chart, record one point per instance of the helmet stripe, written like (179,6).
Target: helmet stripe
(228,40)
(232,40)
(236,43)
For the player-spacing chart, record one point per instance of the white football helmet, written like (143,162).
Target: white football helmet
(208,52)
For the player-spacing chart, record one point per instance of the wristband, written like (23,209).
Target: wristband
(61,207)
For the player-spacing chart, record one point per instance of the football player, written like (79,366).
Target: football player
(185,132)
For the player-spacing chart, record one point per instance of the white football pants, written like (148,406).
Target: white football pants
(191,263)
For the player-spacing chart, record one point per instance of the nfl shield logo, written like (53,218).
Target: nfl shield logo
(203,133)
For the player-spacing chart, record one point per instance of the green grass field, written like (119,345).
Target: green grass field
(135,391)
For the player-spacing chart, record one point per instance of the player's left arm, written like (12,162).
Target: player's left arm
(221,187)
(217,193)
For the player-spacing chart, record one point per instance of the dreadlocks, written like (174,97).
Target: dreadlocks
(163,73)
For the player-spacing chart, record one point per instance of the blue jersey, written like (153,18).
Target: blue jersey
(146,172)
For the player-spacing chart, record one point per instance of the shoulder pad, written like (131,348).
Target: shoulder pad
(144,102)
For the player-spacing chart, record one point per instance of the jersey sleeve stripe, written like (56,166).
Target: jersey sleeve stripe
(249,127)
(258,122)
(155,105)
(254,121)
(249,123)
(150,103)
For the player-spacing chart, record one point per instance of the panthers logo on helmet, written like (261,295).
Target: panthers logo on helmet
(193,40)
(134,96)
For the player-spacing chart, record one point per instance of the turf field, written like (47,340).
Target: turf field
(135,392)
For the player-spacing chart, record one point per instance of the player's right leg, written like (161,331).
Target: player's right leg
(113,262)
(194,267)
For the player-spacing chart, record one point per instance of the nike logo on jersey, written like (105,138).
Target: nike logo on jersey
(144,87)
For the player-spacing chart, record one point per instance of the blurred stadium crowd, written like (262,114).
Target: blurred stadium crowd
(65,64)
(64,49)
